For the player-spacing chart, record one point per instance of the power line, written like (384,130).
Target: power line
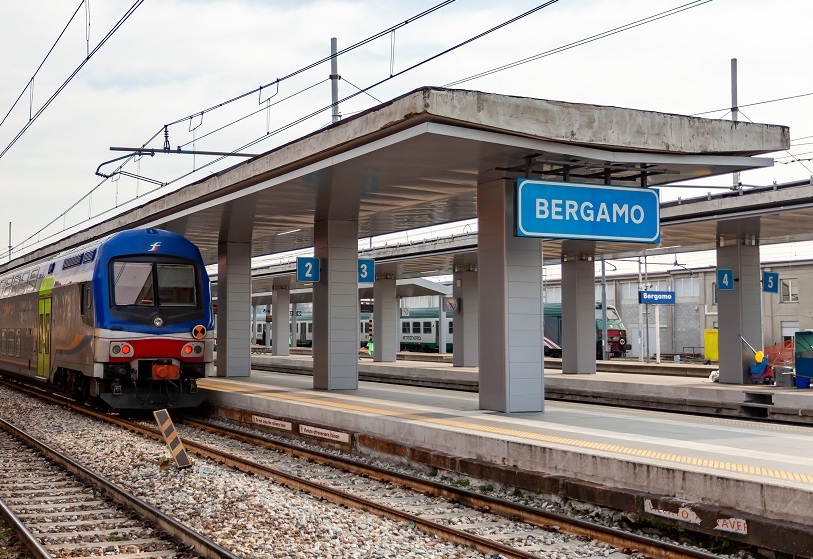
(30,82)
(584,41)
(796,159)
(200,114)
(56,93)
(310,66)
(369,87)
(759,103)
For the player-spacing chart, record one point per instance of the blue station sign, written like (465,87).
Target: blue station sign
(366,270)
(559,210)
(656,297)
(307,269)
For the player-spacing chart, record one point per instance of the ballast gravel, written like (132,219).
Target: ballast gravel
(251,516)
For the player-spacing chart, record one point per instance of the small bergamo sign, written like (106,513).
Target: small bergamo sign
(656,297)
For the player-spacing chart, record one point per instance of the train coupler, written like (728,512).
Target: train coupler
(193,386)
(116,389)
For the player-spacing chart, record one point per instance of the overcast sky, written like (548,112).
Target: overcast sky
(175,58)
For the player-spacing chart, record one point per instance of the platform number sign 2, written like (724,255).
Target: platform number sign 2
(725,280)
(366,270)
(307,269)
(770,282)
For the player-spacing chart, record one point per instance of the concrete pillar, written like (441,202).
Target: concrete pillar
(233,306)
(335,305)
(292,314)
(267,327)
(579,334)
(443,326)
(510,325)
(740,309)
(386,320)
(253,324)
(281,302)
(465,288)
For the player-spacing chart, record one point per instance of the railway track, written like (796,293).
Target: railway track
(495,527)
(59,509)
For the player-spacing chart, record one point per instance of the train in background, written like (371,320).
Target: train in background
(124,322)
(618,342)
(418,328)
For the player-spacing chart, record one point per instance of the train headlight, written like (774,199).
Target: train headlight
(158,321)
(115,350)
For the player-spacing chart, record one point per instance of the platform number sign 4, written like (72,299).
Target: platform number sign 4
(725,280)
(307,269)
(770,282)
(366,270)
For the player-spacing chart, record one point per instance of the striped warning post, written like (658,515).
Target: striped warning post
(171,438)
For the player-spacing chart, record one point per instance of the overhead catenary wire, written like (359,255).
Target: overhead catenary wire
(295,122)
(271,133)
(584,41)
(376,84)
(310,66)
(64,84)
(797,160)
(30,82)
(754,104)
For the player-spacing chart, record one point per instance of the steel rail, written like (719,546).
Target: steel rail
(617,538)
(611,536)
(178,532)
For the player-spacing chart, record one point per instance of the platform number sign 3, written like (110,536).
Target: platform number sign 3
(725,280)
(770,282)
(307,269)
(366,270)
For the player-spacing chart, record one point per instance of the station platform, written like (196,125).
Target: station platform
(747,479)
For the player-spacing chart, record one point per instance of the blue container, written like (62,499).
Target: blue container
(802,382)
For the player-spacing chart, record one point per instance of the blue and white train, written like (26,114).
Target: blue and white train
(125,321)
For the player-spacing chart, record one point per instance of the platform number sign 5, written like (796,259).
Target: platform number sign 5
(366,270)
(725,280)
(770,282)
(307,269)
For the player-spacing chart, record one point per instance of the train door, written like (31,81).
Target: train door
(44,337)
(302,340)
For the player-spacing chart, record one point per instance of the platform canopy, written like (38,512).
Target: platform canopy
(416,162)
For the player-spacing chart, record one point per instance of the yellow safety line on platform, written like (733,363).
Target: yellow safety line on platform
(703,419)
(593,445)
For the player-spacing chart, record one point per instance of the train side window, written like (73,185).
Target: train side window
(416,327)
(427,327)
(310,327)
(405,327)
(23,283)
(3,342)
(451,327)
(33,276)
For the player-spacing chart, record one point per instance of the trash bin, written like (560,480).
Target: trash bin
(784,376)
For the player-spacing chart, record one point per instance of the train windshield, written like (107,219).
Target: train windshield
(611,314)
(148,284)
(613,319)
